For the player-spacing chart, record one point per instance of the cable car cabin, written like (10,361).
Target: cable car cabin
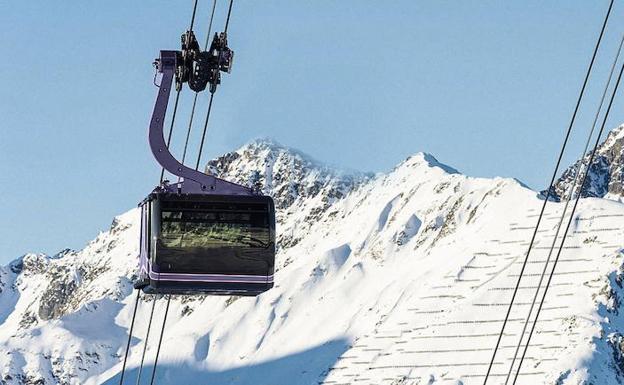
(202,234)
(208,244)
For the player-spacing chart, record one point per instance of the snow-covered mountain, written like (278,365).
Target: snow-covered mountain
(606,173)
(396,278)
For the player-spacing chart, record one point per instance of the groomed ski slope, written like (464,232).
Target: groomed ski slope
(399,278)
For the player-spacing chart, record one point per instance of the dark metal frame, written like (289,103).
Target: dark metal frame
(193,180)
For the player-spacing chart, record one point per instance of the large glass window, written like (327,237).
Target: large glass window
(213,229)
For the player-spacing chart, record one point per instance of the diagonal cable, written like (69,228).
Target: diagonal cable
(193,16)
(173,116)
(190,125)
(568,197)
(136,305)
(576,202)
(201,144)
(162,175)
(145,344)
(162,329)
(227,21)
(203,138)
(162,332)
(548,193)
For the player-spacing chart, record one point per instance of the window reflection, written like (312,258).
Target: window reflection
(190,229)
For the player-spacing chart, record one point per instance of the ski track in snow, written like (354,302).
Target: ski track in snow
(397,279)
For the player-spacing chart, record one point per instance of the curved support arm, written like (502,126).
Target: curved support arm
(202,182)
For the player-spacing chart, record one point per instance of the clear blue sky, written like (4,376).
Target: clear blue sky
(485,86)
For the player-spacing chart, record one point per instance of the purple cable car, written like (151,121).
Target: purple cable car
(202,234)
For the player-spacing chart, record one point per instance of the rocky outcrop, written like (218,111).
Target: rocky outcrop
(606,173)
(299,185)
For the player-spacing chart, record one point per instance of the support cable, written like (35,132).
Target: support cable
(173,116)
(136,305)
(164,322)
(568,197)
(188,131)
(162,332)
(193,16)
(177,99)
(190,125)
(549,192)
(201,144)
(203,138)
(227,21)
(576,202)
(162,174)
(214,6)
(149,327)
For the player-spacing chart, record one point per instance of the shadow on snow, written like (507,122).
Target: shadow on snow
(310,366)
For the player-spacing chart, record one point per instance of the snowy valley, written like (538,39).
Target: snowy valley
(395,278)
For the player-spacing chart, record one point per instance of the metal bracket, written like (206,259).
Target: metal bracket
(193,180)
(199,68)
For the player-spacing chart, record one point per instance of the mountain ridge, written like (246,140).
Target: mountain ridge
(388,278)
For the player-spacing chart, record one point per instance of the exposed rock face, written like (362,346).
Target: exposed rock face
(57,296)
(606,173)
(301,187)
(286,174)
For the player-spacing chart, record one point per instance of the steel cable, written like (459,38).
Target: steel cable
(193,16)
(190,125)
(136,305)
(201,144)
(188,132)
(548,193)
(162,332)
(173,116)
(214,6)
(147,334)
(162,174)
(162,329)
(576,202)
(227,21)
(568,197)
(194,101)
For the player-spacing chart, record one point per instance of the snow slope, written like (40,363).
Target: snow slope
(397,278)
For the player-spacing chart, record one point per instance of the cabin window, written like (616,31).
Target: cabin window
(200,229)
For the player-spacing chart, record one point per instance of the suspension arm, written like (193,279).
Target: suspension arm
(193,180)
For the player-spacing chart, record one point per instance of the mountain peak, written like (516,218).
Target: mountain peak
(296,181)
(606,173)
(260,152)
(616,135)
(428,160)
(265,143)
